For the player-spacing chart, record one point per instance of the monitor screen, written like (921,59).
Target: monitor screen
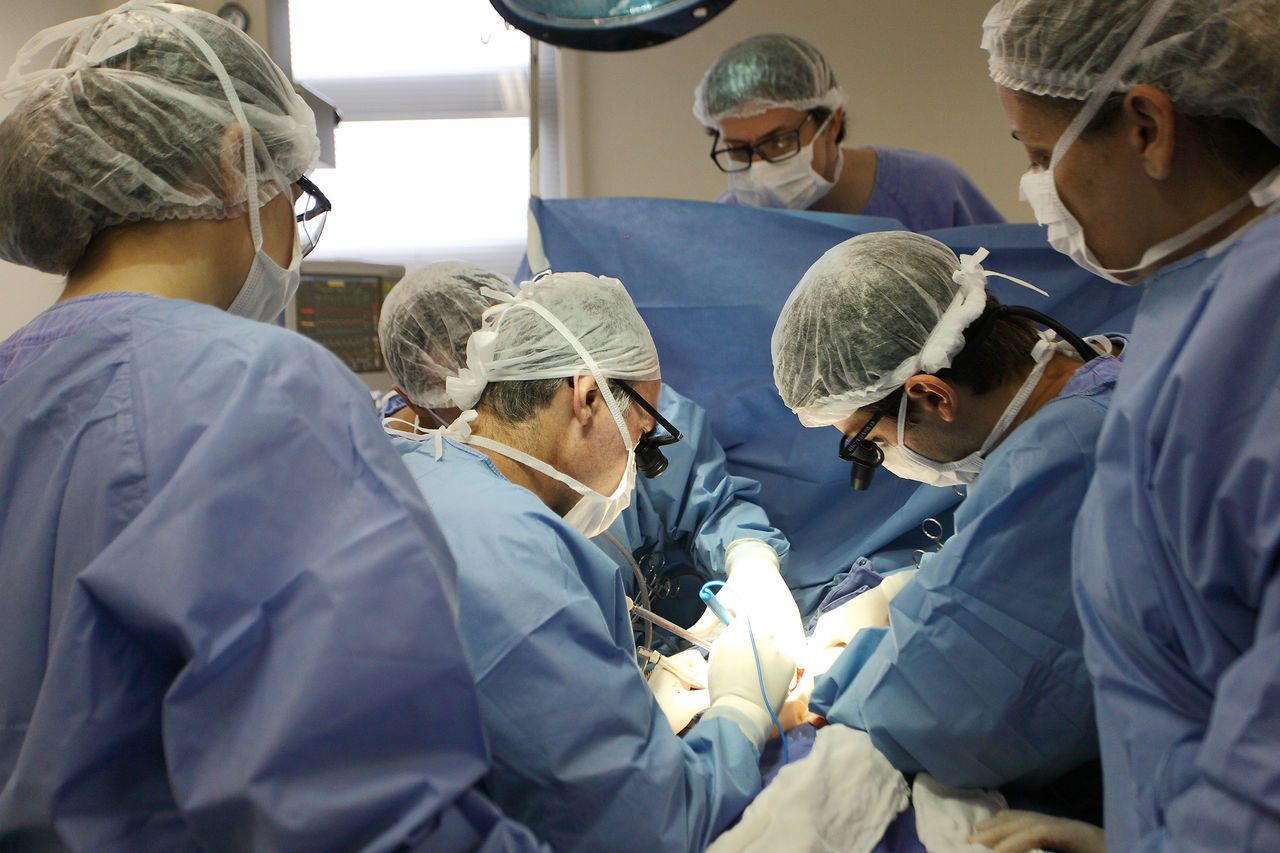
(337,306)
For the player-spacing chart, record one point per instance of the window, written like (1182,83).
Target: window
(432,154)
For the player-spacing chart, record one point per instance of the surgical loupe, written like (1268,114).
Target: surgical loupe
(865,454)
(649,458)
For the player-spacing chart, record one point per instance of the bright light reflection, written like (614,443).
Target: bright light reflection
(400,38)
(408,189)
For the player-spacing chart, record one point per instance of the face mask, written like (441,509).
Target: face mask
(904,462)
(792,183)
(268,287)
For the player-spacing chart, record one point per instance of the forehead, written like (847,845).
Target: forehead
(767,123)
(1032,119)
(853,424)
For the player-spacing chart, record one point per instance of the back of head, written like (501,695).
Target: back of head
(871,312)
(425,322)
(766,72)
(1211,57)
(524,338)
(132,121)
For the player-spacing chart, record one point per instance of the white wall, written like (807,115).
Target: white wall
(913,69)
(24,292)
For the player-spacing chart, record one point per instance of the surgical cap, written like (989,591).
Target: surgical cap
(869,314)
(518,341)
(1211,57)
(763,73)
(425,322)
(131,121)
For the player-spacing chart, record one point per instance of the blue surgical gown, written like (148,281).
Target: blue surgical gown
(922,191)
(226,616)
(696,507)
(980,678)
(1175,560)
(581,751)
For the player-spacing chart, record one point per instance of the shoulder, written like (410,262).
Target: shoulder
(921,164)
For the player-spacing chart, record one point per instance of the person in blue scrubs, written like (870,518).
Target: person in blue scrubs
(776,116)
(1155,164)
(977,676)
(677,526)
(558,398)
(227,618)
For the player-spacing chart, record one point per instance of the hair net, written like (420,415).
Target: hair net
(869,314)
(763,73)
(520,339)
(1211,57)
(131,121)
(425,322)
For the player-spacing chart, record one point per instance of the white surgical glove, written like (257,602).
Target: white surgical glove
(894,582)
(735,685)
(755,587)
(837,627)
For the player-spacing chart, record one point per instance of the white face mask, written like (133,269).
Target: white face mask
(904,462)
(791,184)
(268,287)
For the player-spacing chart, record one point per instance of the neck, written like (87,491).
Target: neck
(181,259)
(1056,374)
(857,179)
(525,437)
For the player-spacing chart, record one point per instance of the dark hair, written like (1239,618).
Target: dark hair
(820,114)
(997,349)
(516,401)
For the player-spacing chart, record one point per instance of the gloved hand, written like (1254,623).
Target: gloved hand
(755,587)
(735,685)
(837,626)
(893,583)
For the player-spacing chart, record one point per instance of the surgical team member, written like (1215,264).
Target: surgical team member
(695,510)
(777,117)
(189,570)
(557,398)
(979,677)
(1153,130)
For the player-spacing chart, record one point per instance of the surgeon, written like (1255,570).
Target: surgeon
(558,399)
(1153,133)
(978,677)
(227,618)
(777,119)
(678,525)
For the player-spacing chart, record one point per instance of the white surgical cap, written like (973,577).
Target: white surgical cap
(519,342)
(1211,57)
(425,322)
(763,73)
(130,121)
(869,314)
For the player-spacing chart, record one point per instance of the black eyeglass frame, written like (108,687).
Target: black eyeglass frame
(320,205)
(754,152)
(865,454)
(649,458)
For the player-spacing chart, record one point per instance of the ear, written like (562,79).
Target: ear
(833,126)
(1151,129)
(585,396)
(230,164)
(932,394)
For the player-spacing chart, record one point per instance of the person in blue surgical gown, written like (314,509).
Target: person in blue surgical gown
(226,615)
(558,398)
(1157,166)
(978,676)
(777,119)
(677,526)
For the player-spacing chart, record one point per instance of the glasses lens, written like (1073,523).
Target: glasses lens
(311,209)
(732,159)
(310,231)
(780,148)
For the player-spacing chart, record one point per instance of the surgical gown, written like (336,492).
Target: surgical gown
(581,751)
(980,678)
(1176,560)
(226,617)
(922,191)
(695,508)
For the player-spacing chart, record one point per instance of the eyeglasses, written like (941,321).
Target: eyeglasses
(865,454)
(649,458)
(775,149)
(311,210)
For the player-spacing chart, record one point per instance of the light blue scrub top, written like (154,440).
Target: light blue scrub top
(226,616)
(581,751)
(980,678)
(922,191)
(1176,561)
(694,509)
